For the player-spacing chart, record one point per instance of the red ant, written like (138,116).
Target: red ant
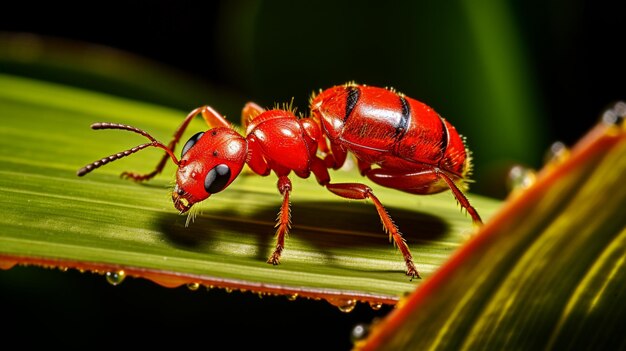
(412,147)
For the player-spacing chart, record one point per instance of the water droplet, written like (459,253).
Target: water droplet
(115,278)
(228,290)
(348,306)
(359,332)
(376,305)
(557,153)
(345,304)
(193,286)
(615,115)
(520,178)
(292,297)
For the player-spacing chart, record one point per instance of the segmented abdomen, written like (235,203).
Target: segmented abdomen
(384,127)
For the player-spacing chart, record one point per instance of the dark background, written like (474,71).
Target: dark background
(513,77)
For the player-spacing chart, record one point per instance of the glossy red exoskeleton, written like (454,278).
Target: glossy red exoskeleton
(398,142)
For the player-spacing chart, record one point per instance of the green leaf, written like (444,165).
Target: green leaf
(336,248)
(546,273)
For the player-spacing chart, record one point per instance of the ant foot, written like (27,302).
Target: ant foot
(274,259)
(411,271)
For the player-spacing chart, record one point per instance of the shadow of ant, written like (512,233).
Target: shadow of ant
(325,225)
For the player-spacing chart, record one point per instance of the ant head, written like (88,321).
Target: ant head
(209,162)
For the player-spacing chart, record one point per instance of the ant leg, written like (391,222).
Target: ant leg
(283,223)
(337,156)
(461,198)
(358,191)
(425,181)
(211,117)
(249,112)
(364,167)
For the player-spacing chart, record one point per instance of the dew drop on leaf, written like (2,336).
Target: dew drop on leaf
(615,115)
(520,178)
(345,304)
(292,297)
(348,306)
(376,305)
(193,286)
(556,154)
(115,278)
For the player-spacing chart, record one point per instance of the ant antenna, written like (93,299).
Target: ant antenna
(105,125)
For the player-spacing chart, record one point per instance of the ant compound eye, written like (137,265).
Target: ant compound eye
(216,179)
(190,143)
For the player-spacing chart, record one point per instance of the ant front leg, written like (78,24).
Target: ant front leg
(210,116)
(283,223)
(358,191)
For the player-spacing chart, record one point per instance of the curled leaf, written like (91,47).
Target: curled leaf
(546,272)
